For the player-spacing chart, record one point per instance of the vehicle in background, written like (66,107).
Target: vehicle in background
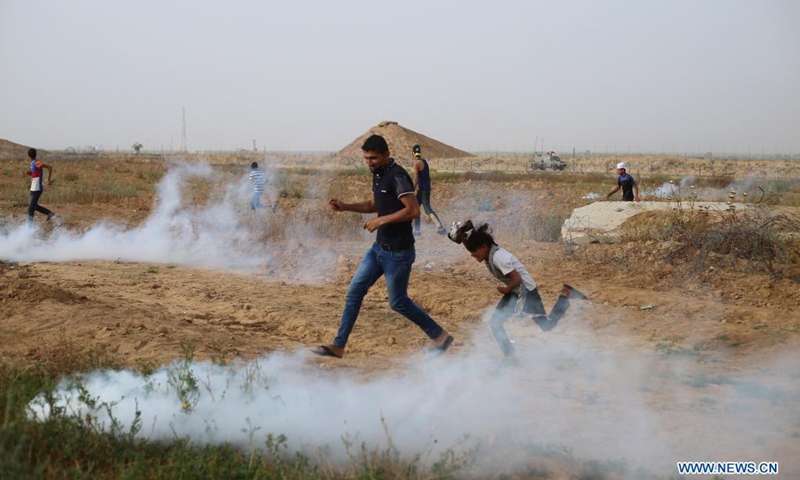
(548,161)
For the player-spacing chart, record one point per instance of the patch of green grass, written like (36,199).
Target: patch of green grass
(65,446)
(701,381)
(672,346)
(759,326)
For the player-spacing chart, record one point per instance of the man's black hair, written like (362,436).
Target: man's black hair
(32,153)
(480,237)
(375,143)
(254,165)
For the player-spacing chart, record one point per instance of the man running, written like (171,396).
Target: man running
(422,184)
(392,254)
(35,170)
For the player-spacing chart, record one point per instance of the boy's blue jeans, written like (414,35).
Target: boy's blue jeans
(255,202)
(396,266)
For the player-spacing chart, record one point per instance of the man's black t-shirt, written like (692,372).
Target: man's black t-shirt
(388,185)
(627,182)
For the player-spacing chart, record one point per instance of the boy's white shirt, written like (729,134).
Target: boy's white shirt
(507,263)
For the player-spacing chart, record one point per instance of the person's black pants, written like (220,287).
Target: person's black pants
(533,305)
(34,206)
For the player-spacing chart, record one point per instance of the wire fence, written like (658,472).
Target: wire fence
(514,164)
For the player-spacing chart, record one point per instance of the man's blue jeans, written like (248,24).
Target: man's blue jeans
(424,199)
(396,265)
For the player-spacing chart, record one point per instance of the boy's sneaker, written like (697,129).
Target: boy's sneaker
(441,231)
(417,233)
(50,215)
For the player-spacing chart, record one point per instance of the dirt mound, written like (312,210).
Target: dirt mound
(401,140)
(11,150)
(21,286)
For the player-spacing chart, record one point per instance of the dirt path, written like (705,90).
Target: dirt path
(143,312)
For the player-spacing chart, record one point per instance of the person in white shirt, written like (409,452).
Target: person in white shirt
(520,294)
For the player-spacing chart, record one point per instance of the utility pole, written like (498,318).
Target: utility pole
(183,132)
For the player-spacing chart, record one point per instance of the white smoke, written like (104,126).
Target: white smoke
(673,191)
(594,401)
(218,234)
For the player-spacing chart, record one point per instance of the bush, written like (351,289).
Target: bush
(705,236)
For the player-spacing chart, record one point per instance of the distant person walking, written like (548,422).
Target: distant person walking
(630,190)
(422,185)
(520,293)
(258,179)
(36,170)
(392,254)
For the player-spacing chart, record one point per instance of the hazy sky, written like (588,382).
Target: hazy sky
(719,75)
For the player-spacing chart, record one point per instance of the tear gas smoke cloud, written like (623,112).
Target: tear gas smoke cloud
(595,401)
(214,235)
(688,188)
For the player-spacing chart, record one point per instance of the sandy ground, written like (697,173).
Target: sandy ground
(142,311)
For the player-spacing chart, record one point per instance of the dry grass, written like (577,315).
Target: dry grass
(83,182)
(752,239)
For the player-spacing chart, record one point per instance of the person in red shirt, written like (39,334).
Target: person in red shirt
(36,171)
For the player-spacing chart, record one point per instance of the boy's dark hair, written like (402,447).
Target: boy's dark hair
(254,165)
(32,153)
(375,143)
(480,237)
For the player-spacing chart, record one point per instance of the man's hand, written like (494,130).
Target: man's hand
(502,290)
(373,224)
(49,182)
(336,204)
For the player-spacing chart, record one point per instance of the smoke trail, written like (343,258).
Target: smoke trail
(214,235)
(597,402)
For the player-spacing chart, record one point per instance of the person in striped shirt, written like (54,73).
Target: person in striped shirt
(258,180)
(36,171)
